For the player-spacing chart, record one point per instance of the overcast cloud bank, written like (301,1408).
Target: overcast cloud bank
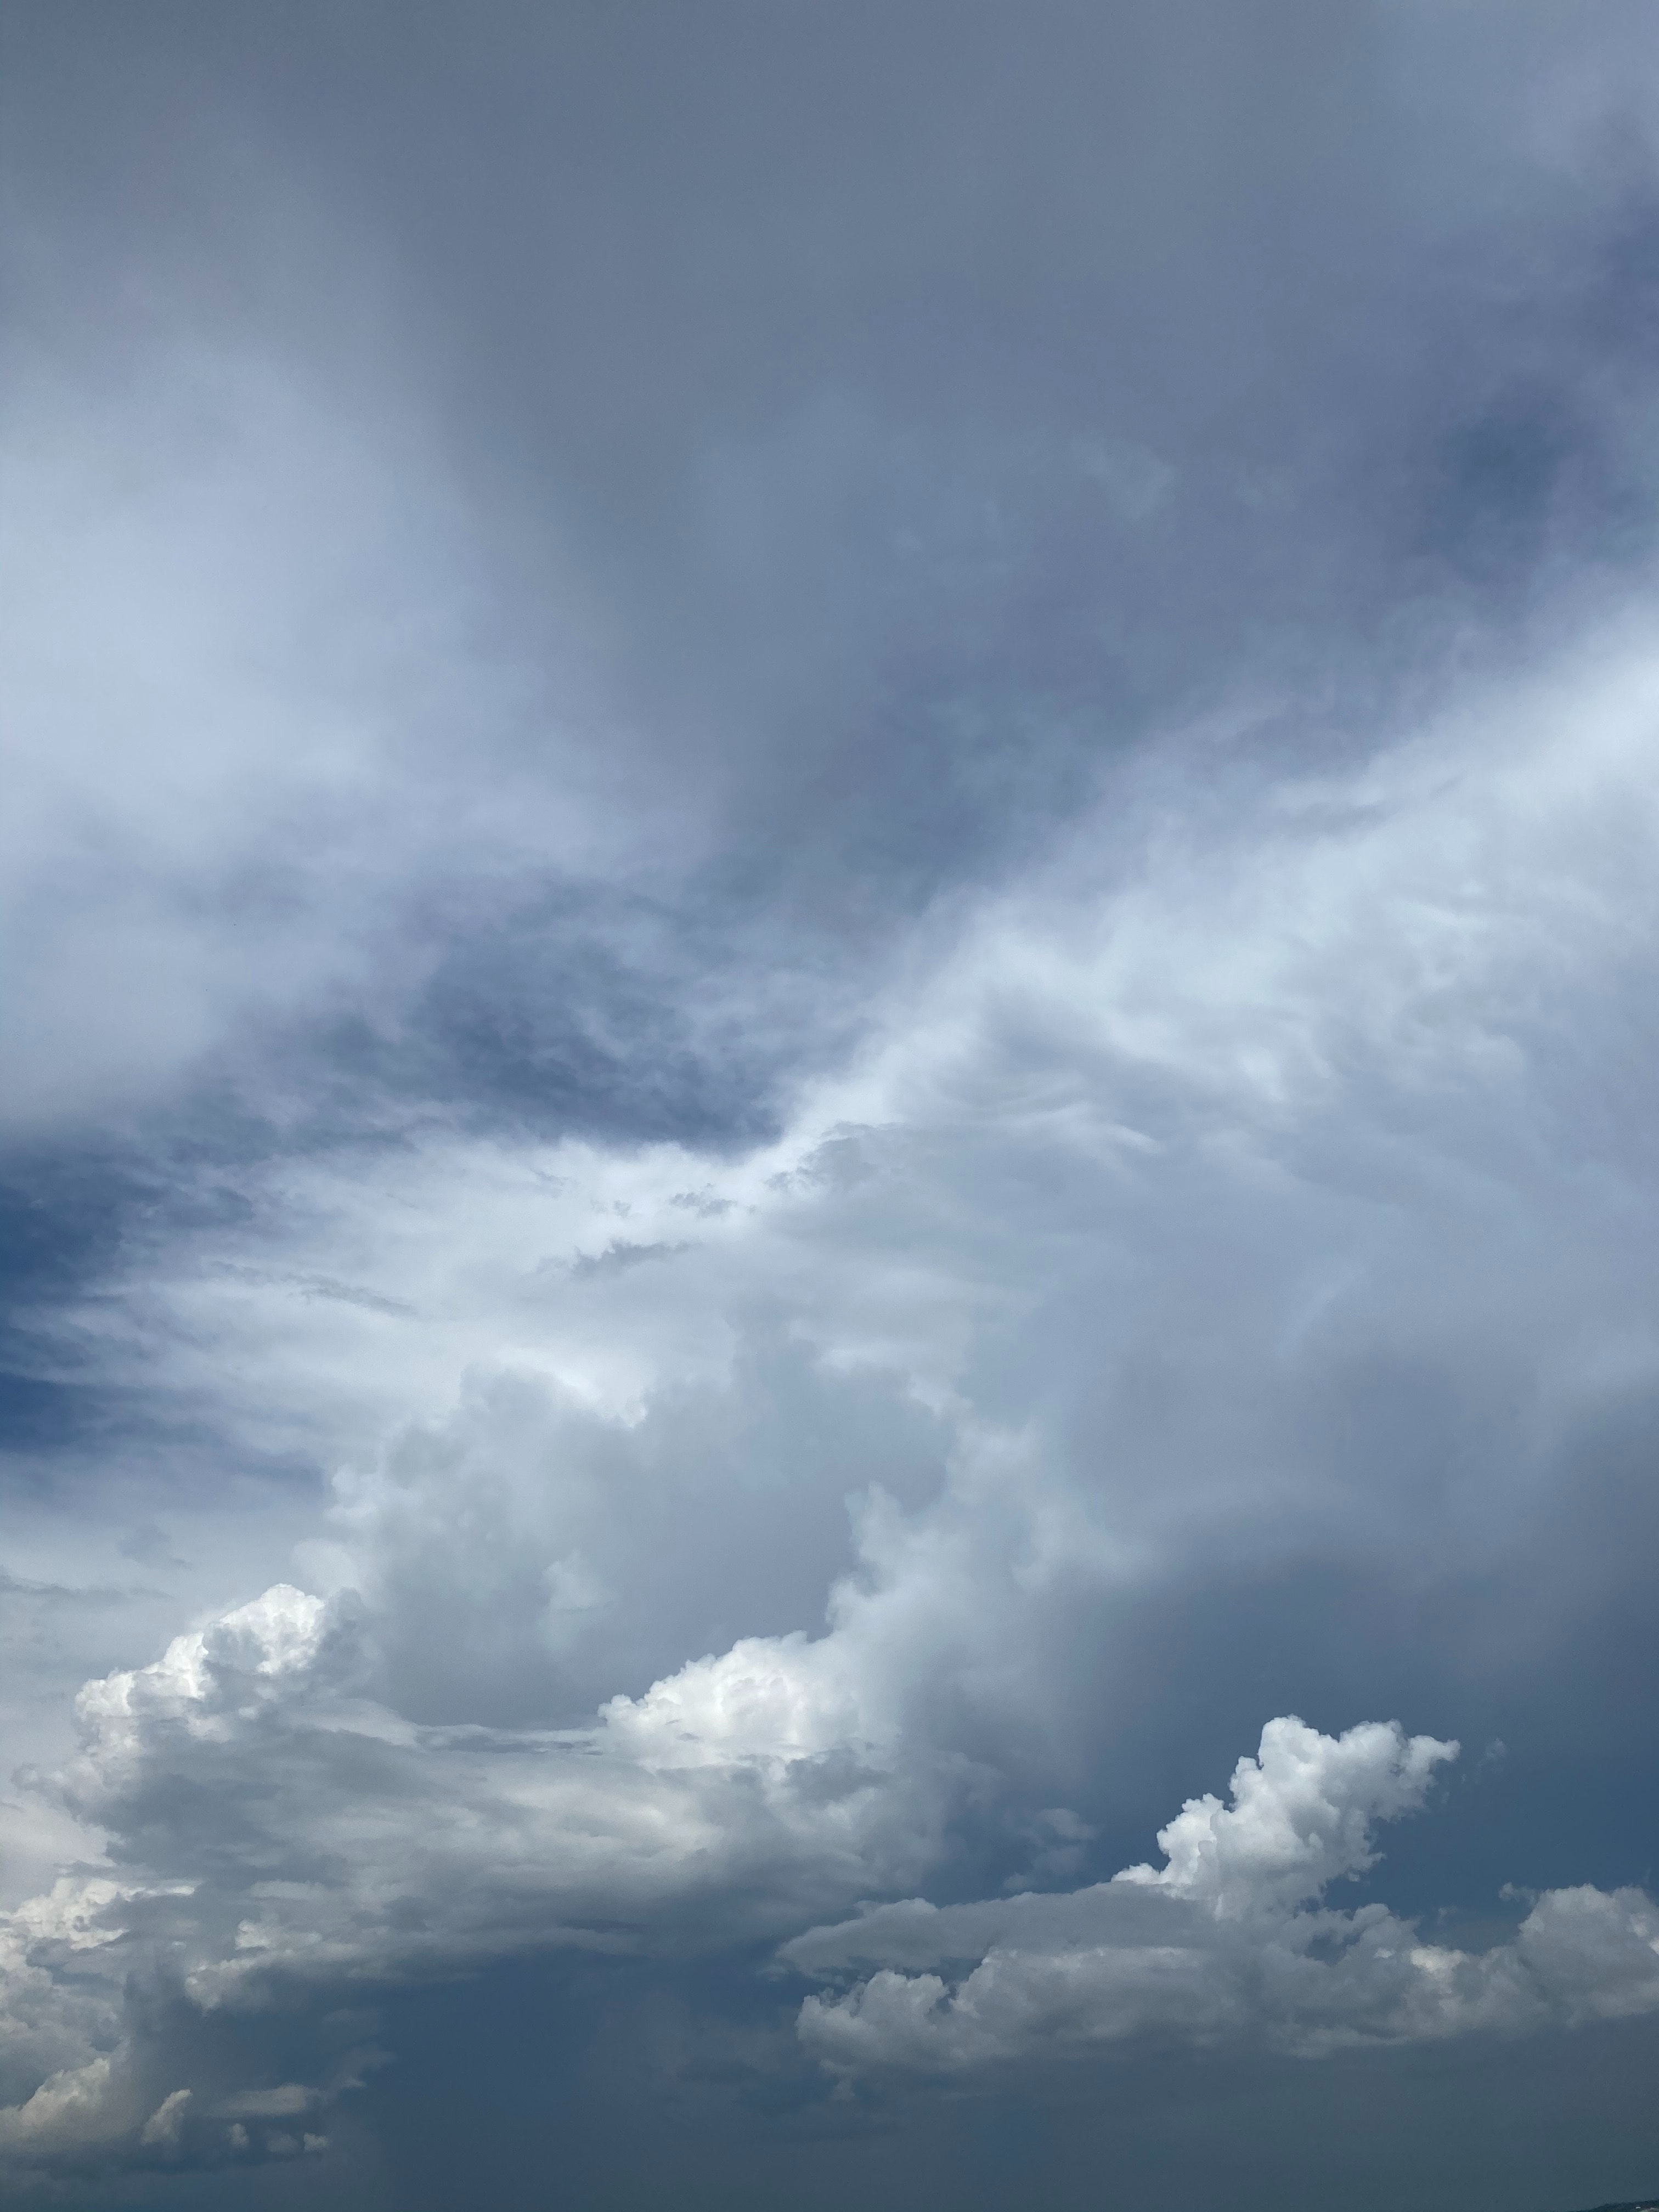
(834,852)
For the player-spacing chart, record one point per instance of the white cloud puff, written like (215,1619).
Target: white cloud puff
(294,1827)
(1226,1942)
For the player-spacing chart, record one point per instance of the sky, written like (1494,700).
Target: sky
(831,1269)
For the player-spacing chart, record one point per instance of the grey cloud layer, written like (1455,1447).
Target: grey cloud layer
(808,543)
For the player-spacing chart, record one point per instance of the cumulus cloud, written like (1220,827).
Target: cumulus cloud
(343,1847)
(345,1843)
(1228,1941)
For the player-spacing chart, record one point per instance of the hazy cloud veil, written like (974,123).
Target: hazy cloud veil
(831,1322)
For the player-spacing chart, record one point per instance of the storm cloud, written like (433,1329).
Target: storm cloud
(833,868)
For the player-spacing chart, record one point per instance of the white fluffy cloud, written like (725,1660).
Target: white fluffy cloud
(1228,1941)
(291,1827)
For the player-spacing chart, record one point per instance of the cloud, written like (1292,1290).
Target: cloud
(296,1831)
(1195,1179)
(341,1846)
(1227,1943)
(166,2122)
(835,856)
(1315,1036)
(73,2111)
